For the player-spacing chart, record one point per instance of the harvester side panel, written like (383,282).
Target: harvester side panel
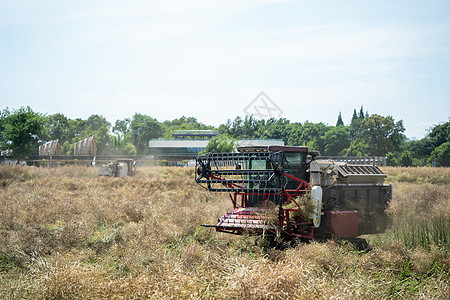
(370,201)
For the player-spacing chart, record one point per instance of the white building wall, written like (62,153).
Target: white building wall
(177,143)
(260,143)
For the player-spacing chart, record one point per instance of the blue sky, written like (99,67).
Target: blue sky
(210,59)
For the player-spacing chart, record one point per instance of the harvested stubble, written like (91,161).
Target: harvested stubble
(68,237)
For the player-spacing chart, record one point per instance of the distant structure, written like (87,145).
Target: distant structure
(88,146)
(50,148)
(187,144)
(5,158)
(8,152)
(195,134)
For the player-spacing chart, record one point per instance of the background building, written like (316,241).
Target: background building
(188,143)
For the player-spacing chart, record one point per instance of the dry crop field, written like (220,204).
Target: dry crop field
(67,234)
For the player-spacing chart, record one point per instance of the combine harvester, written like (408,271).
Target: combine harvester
(291,193)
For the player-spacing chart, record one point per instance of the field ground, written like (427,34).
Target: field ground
(66,234)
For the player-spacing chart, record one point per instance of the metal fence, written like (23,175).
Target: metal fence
(358,160)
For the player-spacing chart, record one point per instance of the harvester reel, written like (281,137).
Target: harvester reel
(204,170)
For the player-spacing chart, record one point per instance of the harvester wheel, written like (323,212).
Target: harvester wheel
(272,242)
(359,243)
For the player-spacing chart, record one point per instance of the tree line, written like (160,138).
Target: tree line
(23,130)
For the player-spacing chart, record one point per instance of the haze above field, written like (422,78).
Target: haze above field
(210,59)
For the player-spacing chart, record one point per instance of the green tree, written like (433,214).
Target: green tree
(313,135)
(22,131)
(187,123)
(143,128)
(78,129)
(122,126)
(129,149)
(406,159)
(357,148)
(441,155)
(355,124)
(58,127)
(233,128)
(99,127)
(250,127)
(382,134)
(97,122)
(295,133)
(355,115)
(421,148)
(183,123)
(336,140)
(275,129)
(121,138)
(220,144)
(4,114)
(223,129)
(67,148)
(361,113)
(117,145)
(440,134)
(339,120)
(392,159)
(355,127)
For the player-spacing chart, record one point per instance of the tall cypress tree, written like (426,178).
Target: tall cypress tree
(361,113)
(339,120)
(355,126)
(355,115)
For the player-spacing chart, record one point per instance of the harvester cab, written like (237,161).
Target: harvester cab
(291,192)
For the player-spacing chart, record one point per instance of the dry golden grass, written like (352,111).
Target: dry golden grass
(418,175)
(420,210)
(421,214)
(66,234)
